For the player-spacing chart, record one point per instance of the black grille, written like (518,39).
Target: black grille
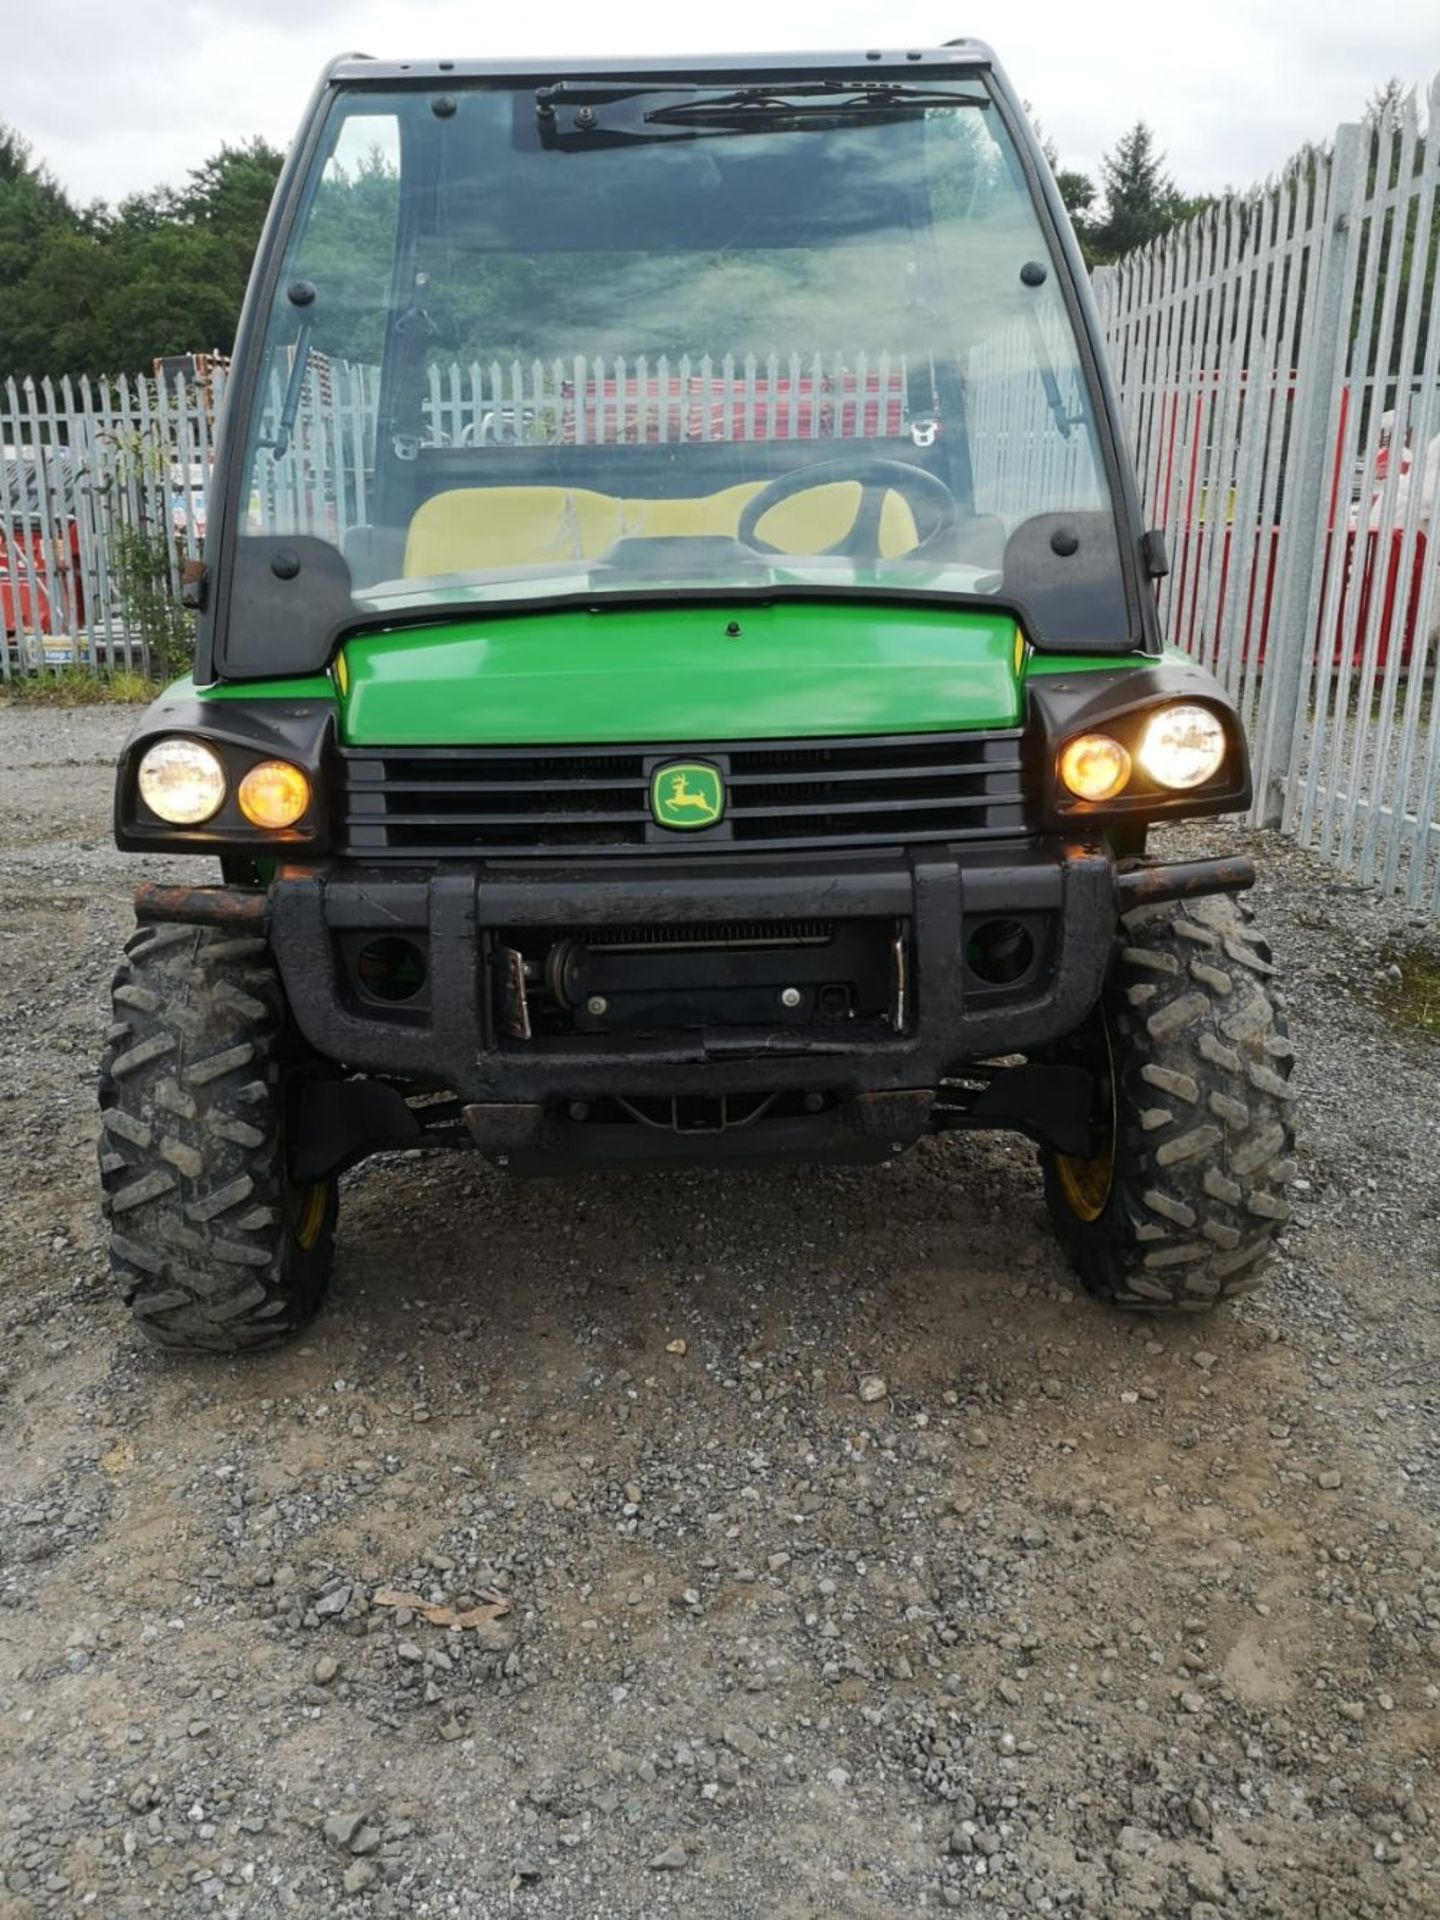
(506,803)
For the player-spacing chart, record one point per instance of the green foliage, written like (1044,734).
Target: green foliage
(153,615)
(102,290)
(1138,192)
(1414,999)
(34,213)
(1077,190)
(79,687)
(143,558)
(1140,200)
(31,204)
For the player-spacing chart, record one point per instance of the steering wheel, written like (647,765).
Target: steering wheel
(928,498)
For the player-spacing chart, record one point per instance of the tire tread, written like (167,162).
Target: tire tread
(192,1151)
(1199,1190)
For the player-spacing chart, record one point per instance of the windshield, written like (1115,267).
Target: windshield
(613,340)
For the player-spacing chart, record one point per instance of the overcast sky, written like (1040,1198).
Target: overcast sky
(119,95)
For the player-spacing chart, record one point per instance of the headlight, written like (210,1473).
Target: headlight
(1182,747)
(1094,767)
(273,795)
(182,781)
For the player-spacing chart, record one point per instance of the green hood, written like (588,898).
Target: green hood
(682,673)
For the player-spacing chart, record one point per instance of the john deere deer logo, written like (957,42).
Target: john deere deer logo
(688,795)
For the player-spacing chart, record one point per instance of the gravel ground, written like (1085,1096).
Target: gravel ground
(830,1557)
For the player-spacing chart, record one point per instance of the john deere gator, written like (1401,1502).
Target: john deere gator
(678,682)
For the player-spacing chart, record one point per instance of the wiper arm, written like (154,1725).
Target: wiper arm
(294,390)
(1065,421)
(590,93)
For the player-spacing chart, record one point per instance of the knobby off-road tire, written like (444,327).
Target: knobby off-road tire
(214,1247)
(1181,1207)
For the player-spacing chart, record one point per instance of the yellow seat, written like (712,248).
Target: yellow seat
(477,529)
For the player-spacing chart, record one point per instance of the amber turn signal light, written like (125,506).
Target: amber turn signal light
(1094,767)
(273,795)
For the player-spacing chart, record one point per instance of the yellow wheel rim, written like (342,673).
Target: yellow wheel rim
(309,1214)
(1086,1184)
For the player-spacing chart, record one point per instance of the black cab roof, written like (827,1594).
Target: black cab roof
(360,69)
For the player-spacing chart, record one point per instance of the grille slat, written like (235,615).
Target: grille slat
(848,776)
(487,820)
(436,803)
(871,804)
(377,783)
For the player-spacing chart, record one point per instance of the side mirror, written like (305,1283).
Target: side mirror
(1155,553)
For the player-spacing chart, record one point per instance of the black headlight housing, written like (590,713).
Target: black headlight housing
(242,733)
(1120,702)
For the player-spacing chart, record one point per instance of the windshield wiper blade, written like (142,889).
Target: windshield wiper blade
(805,98)
(738,106)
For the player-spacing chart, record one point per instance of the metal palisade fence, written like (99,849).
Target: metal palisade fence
(1278,360)
(102,506)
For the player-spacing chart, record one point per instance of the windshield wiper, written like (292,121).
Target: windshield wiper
(1065,421)
(805,98)
(294,392)
(732,108)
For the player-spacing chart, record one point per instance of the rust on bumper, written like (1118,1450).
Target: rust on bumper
(202,906)
(1146,885)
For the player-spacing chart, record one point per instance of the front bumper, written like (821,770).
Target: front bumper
(870,1084)
(934,895)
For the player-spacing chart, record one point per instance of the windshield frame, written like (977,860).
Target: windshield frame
(233,596)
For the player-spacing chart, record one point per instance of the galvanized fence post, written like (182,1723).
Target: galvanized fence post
(1314,429)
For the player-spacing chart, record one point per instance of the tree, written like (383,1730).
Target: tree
(102,289)
(1078,192)
(1141,200)
(33,208)
(185,253)
(231,192)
